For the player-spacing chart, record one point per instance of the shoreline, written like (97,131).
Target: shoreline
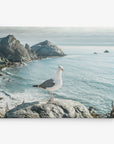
(16,64)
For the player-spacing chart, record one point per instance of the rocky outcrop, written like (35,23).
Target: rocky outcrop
(31,52)
(47,49)
(12,50)
(95,53)
(106,51)
(3,62)
(59,108)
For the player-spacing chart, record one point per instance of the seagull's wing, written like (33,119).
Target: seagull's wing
(48,83)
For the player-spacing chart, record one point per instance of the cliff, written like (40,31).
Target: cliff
(12,50)
(47,49)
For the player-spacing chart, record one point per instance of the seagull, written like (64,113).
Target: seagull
(52,84)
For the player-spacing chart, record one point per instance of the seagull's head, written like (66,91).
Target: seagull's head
(61,68)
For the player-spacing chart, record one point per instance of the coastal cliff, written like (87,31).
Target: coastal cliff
(59,108)
(12,52)
(47,49)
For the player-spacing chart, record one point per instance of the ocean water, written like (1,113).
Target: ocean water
(87,78)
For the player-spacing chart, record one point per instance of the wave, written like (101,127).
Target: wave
(13,75)
(8,73)
(3,69)
(5,93)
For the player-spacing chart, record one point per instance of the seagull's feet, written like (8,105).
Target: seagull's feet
(51,100)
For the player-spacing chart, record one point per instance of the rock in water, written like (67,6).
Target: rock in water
(47,49)
(59,108)
(95,53)
(12,50)
(106,51)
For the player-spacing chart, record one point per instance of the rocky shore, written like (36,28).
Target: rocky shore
(59,108)
(13,53)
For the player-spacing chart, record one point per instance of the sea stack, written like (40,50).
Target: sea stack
(95,53)
(47,49)
(106,51)
(13,52)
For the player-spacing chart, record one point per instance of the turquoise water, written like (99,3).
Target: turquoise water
(87,78)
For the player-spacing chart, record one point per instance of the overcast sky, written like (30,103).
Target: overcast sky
(61,35)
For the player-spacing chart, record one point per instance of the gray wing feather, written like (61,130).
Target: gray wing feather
(48,83)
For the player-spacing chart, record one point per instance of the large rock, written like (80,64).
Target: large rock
(31,52)
(47,49)
(106,51)
(59,108)
(12,50)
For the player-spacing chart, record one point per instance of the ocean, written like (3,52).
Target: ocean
(87,77)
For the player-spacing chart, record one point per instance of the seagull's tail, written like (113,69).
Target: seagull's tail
(36,86)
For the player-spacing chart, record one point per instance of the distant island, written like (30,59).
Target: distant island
(13,53)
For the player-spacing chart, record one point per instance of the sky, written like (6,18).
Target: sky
(83,36)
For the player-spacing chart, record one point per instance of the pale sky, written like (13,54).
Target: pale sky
(62,35)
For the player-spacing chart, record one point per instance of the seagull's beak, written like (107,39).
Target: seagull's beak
(62,69)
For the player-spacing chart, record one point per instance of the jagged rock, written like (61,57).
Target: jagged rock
(106,51)
(12,50)
(31,52)
(59,108)
(47,49)
(27,47)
